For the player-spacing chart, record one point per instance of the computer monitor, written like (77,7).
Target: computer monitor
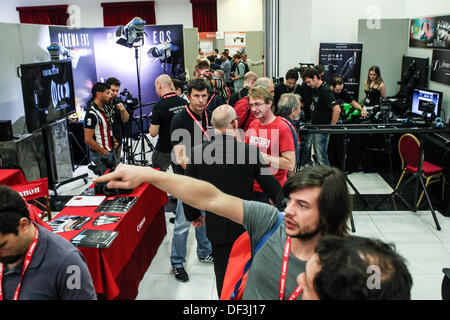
(48,92)
(421,96)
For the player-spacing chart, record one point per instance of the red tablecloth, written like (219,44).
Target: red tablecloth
(119,268)
(11,177)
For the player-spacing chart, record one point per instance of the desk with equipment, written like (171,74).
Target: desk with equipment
(392,128)
(118,238)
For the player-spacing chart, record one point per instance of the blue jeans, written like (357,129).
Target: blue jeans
(320,143)
(305,150)
(180,235)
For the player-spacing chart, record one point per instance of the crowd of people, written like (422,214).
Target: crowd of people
(232,142)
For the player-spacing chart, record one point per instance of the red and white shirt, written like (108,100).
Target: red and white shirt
(96,119)
(273,139)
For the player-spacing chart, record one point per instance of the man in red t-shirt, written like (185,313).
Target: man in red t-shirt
(271,135)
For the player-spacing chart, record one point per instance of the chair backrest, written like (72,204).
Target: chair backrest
(32,189)
(408,147)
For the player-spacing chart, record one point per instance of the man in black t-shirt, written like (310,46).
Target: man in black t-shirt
(163,113)
(324,110)
(118,114)
(289,86)
(188,128)
(343,96)
(306,93)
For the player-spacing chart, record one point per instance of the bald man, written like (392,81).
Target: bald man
(249,79)
(163,112)
(231,166)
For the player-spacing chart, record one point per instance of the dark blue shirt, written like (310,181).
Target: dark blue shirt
(57,271)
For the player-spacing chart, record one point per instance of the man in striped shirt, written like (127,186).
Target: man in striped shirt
(97,130)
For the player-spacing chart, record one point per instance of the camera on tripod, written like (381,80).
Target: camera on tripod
(384,112)
(129,100)
(427,108)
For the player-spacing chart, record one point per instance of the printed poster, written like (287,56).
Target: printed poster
(342,60)
(430,32)
(440,67)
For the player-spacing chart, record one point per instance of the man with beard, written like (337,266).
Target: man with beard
(118,114)
(97,130)
(318,204)
(36,264)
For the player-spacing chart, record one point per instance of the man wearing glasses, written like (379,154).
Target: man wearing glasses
(272,136)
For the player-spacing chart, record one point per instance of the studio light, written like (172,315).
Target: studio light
(162,51)
(56,51)
(132,34)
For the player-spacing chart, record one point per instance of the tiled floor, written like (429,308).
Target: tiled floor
(414,234)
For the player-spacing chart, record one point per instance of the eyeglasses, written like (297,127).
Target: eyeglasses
(256,104)
(237,118)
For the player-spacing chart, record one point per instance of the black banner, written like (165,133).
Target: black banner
(342,60)
(440,67)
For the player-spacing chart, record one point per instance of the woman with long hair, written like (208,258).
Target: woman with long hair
(374,87)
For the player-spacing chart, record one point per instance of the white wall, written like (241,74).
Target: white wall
(304,24)
(174,12)
(240,15)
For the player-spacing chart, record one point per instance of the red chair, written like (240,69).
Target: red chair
(33,190)
(409,147)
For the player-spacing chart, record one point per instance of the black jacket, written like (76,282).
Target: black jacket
(234,176)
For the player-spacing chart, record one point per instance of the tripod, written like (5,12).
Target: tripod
(344,170)
(83,150)
(129,153)
(417,176)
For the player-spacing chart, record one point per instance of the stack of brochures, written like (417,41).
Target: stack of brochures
(85,201)
(68,223)
(94,238)
(105,219)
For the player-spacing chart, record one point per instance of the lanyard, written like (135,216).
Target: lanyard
(169,95)
(284,267)
(26,264)
(198,123)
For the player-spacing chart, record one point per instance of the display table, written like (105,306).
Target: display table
(10,177)
(117,270)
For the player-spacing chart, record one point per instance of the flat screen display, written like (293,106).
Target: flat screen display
(422,96)
(48,92)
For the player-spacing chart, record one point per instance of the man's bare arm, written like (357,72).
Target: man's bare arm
(286,161)
(89,140)
(196,193)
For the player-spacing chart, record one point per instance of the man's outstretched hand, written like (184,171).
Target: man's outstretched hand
(124,177)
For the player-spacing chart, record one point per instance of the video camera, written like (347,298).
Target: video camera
(303,67)
(129,100)
(384,111)
(427,108)
(101,188)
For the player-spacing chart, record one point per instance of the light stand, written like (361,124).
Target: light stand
(132,36)
(143,135)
